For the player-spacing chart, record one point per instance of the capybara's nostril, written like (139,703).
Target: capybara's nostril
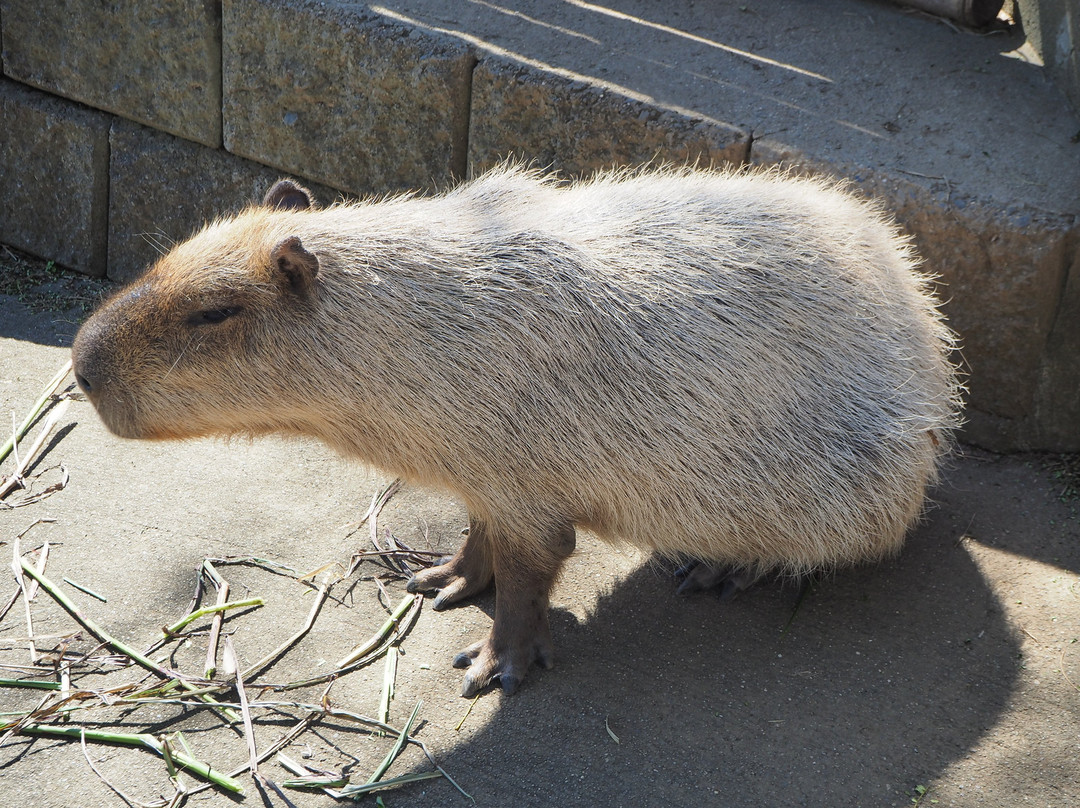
(86,355)
(84,362)
(84,383)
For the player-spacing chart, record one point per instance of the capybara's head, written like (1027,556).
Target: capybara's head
(188,349)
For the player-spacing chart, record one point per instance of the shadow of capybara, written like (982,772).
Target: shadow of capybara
(742,368)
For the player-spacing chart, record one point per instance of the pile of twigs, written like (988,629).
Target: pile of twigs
(69,708)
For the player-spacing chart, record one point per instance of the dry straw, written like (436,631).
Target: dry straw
(53,714)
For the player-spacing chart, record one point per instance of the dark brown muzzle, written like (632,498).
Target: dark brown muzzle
(88,359)
(102,371)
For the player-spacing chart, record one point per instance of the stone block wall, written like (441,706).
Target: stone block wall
(155,63)
(125,125)
(342,95)
(576,128)
(54,177)
(1053,29)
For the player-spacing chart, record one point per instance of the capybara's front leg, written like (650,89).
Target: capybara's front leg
(468,572)
(524,574)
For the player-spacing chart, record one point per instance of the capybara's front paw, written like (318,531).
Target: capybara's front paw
(453,579)
(470,571)
(507,664)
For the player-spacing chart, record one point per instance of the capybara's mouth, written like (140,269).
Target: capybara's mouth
(121,426)
(119,417)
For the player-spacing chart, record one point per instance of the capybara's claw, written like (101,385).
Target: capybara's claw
(456,577)
(487,665)
(466,657)
(449,582)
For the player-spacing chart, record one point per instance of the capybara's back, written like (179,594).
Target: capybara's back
(743,368)
(736,367)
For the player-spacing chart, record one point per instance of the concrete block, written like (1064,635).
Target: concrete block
(1002,291)
(164,188)
(343,95)
(577,127)
(1052,28)
(156,63)
(1057,397)
(54,178)
(1002,272)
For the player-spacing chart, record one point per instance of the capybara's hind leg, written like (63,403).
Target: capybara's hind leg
(467,573)
(521,635)
(699,576)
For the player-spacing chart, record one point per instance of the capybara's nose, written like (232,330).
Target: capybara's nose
(84,382)
(84,361)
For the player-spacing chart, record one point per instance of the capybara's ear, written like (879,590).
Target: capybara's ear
(297,265)
(287,195)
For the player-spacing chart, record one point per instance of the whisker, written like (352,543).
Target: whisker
(178,358)
(161,242)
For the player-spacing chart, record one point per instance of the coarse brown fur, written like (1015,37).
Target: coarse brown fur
(744,368)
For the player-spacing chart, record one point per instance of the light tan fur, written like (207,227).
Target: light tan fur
(745,368)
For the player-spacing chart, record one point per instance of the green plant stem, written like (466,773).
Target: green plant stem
(204,611)
(398,745)
(355,792)
(30,683)
(380,635)
(39,405)
(189,763)
(85,589)
(117,645)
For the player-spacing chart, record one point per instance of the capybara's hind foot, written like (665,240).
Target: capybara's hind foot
(699,576)
(508,665)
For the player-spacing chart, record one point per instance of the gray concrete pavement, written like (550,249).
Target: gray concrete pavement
(953,667)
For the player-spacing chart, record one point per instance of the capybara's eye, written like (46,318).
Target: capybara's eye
(214,316)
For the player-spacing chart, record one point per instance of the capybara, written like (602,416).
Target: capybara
(743,368)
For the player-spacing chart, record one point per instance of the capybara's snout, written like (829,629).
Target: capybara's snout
(87,359)
(96,357)
(100,367)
